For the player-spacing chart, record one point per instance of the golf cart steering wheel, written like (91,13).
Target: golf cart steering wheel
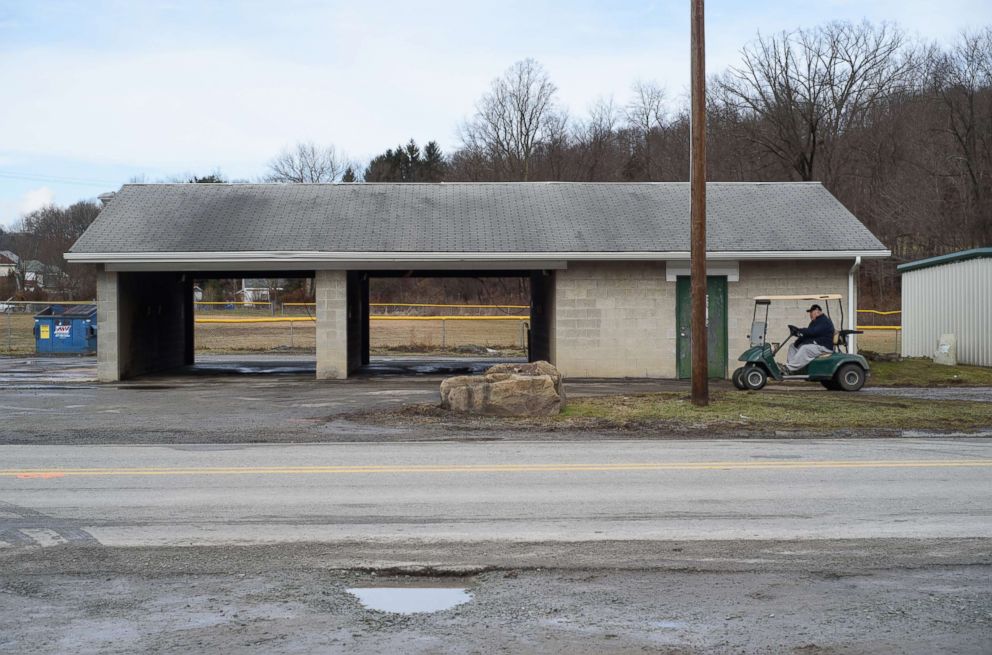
(793,330)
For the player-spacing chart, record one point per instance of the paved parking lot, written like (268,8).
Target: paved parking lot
(273,398)
(226,399)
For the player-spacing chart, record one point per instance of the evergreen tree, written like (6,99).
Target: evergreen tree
(433,166)
(349,175)
(213,178)
(408,164)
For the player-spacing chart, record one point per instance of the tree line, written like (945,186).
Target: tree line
(898,129)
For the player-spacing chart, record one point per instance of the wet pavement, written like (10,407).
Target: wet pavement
(74,370)
(20,371)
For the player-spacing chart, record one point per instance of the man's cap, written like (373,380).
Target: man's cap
(816,307)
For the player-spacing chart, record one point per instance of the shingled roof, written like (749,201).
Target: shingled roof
(558,219)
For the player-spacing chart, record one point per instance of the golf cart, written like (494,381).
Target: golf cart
(837,371)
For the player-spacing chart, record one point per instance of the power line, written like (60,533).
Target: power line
(51,178)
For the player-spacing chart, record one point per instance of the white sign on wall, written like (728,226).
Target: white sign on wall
(730,269)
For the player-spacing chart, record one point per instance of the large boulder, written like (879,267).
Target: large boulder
(533,389)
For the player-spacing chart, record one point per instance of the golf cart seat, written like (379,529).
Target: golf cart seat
(840,338)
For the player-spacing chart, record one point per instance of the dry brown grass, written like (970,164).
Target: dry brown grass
(260,337)
(880,341)
(221,337)
(16,335)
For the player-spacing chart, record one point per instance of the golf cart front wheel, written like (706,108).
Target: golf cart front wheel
(830,385)
(850,377)
(755,378)
(738,378)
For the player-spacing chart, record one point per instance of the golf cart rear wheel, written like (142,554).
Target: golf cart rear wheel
(738,378)
(850,377)
(755,378)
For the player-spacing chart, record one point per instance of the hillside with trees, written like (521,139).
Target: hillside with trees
(898,129)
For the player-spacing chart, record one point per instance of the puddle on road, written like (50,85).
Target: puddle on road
(410,600)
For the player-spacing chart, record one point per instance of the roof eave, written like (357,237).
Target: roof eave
(302,258)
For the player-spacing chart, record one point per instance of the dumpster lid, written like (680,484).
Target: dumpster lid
(68,311)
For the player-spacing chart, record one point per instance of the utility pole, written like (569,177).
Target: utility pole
(697,210)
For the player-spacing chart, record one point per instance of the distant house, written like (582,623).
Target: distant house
(8,263)
(38,275)
(258,290)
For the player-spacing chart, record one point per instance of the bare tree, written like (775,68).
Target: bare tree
(800,91)
(646,109)
(46,234)
(961,78)
(307,163)
(645,114)
(514,119)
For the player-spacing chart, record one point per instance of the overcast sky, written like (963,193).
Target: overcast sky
(94,93)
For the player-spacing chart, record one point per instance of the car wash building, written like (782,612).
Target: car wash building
(608,263)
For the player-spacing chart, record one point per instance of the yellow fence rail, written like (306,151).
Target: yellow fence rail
(879,313)
(47,302)
(312,319)
(416,304)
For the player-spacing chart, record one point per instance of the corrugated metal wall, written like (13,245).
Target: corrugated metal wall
(954,298)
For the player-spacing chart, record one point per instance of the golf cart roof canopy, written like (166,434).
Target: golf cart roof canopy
(821,296)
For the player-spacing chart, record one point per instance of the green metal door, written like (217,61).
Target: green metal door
(716,325)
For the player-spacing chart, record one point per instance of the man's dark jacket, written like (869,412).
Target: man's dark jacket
(820,331)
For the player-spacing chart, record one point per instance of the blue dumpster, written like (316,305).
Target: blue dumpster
(65,329)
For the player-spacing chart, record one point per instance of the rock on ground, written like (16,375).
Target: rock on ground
(533,389)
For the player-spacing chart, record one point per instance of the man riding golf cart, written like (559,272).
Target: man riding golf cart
(815,340)
(820,353)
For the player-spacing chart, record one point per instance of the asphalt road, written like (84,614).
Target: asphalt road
(520,491)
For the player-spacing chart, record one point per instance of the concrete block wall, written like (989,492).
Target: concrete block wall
(614,319)
(108,331)
(770,278)
(331,291)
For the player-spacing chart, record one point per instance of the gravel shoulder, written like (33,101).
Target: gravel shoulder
(667,597)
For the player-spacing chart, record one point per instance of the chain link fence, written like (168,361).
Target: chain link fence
(394,327)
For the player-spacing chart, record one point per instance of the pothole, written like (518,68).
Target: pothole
(409,599)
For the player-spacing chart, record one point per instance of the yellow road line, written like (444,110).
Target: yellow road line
(494,468)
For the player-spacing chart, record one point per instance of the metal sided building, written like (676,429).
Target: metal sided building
(607,262)
(950,294)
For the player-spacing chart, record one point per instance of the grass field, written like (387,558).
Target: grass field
(16,334)
(259,337)
(880,341)
(383,335)
(793,410)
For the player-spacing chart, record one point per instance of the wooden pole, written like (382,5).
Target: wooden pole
(697,190)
